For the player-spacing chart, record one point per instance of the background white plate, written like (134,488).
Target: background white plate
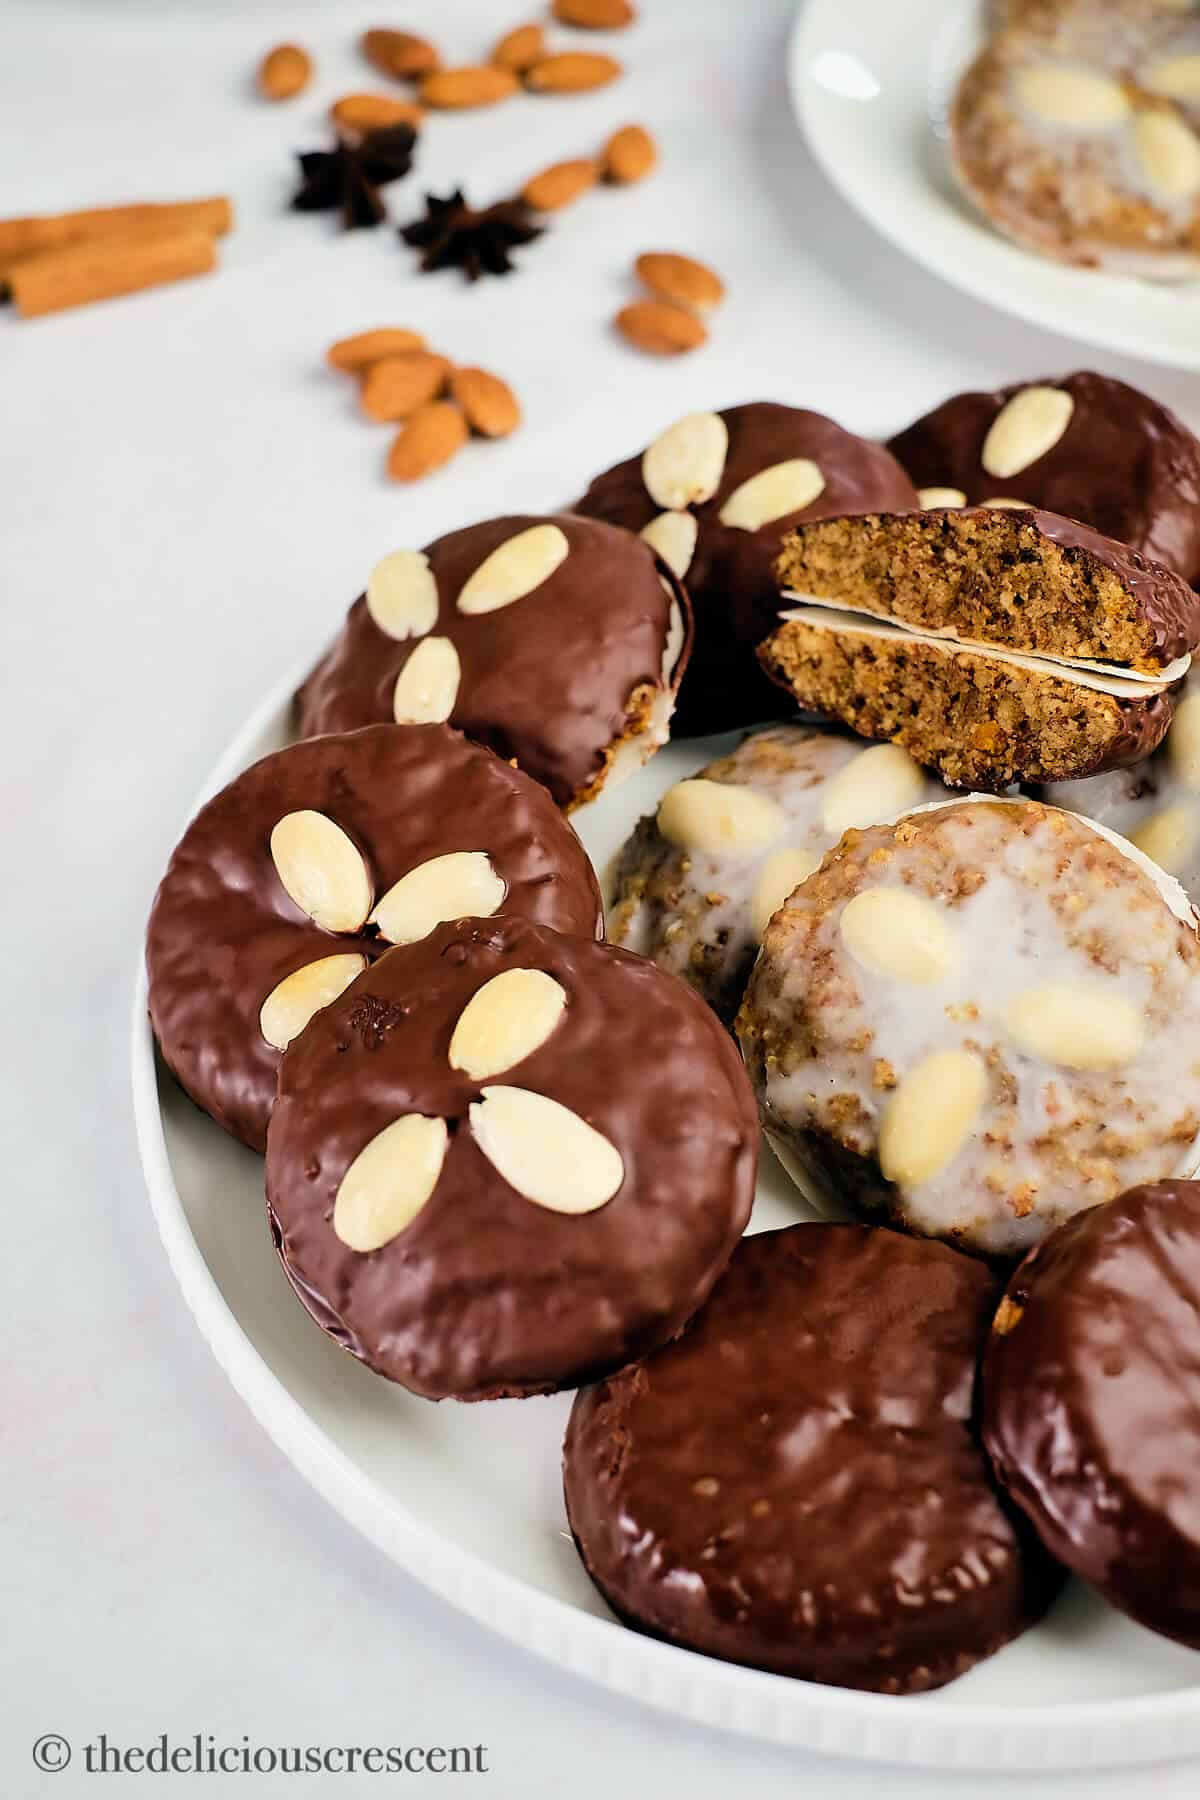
(870,84)
(468,1498)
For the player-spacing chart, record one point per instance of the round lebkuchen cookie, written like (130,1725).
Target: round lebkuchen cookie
(978,1021)
(505,1161)
(698,880)
(994,645)
(1155,803)
(1075,132)
(1091,1409)
(1085,446)
(715,494)
(797,1484)
(557,642)
(312,863)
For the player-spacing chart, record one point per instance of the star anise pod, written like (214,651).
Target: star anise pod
(349,176)
(454,235)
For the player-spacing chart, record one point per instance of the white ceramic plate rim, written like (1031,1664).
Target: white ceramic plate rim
(831,1721)
(885,183)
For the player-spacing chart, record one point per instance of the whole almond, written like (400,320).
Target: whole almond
(375,112)
(353,354)
(476,84)
(595,15)
(399,385)
(681,279)
(427,440)
(661,329)
(558,185)
(400,54)
(491,407)
(572,72)
(518,50)
(629,155)
(284,72)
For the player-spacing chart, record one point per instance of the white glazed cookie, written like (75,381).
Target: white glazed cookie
(979,1021)
(1075,131)
(1156,803)
(697,881)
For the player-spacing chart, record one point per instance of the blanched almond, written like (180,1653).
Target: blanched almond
(389,1181)
(673,536)
(719,818)
(1024,430)
(685,463)
(463,884)
(427,686)
(930,1116)
(506,1020)
(629,155)
(477,84)
(354,354)
(572,72)
(900,935)
(427,440)
(559,185)
(400,54)
(402,595)
(681,279)
(880,783)
(782,872)
(296,999)
(515,568)
(774,493)
(659,328)
(1077,1027)
(546,1152)
(322,870)
(491,407)
(1183,742)
(396,386)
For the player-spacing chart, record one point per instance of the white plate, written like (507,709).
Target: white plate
(468,1498)
(871,81)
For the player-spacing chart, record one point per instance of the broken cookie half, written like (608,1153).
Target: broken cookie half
(995,645)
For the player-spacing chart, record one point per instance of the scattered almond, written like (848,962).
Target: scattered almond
(558,185)
(572,72)
(491,407)
(400,54)
(399,385)
(681,279)
(375,112)
(660,328)
(428,439)
(284,72)
(595,15)
(518,50)
(476,84)
(354,354)
(629,155)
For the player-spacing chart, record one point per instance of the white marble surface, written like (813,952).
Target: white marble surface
(187,501)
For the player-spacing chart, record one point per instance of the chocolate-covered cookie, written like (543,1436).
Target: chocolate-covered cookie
(977,1022)
(1086,446)
(714,495)
(698,880)
(993,645)
(505,1161)
(1091,1401)
(557,642)
(313,862)
(797,1483)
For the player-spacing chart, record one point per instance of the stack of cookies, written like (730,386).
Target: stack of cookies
(924,925)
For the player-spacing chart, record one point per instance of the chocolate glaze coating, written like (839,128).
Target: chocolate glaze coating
(223,932)
(731,579)
(1125,464)
(1170,608)
(546,681)
(1092,1400)
(485,1293)
(797,1483)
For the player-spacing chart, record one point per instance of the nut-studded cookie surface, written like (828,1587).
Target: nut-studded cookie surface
(797,1483)
(1091,1401)
(557,642)
(505,1161)
(1084,445)
(978,1022)
(1075,132)
(698,881)
(312,863)
(714,494)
